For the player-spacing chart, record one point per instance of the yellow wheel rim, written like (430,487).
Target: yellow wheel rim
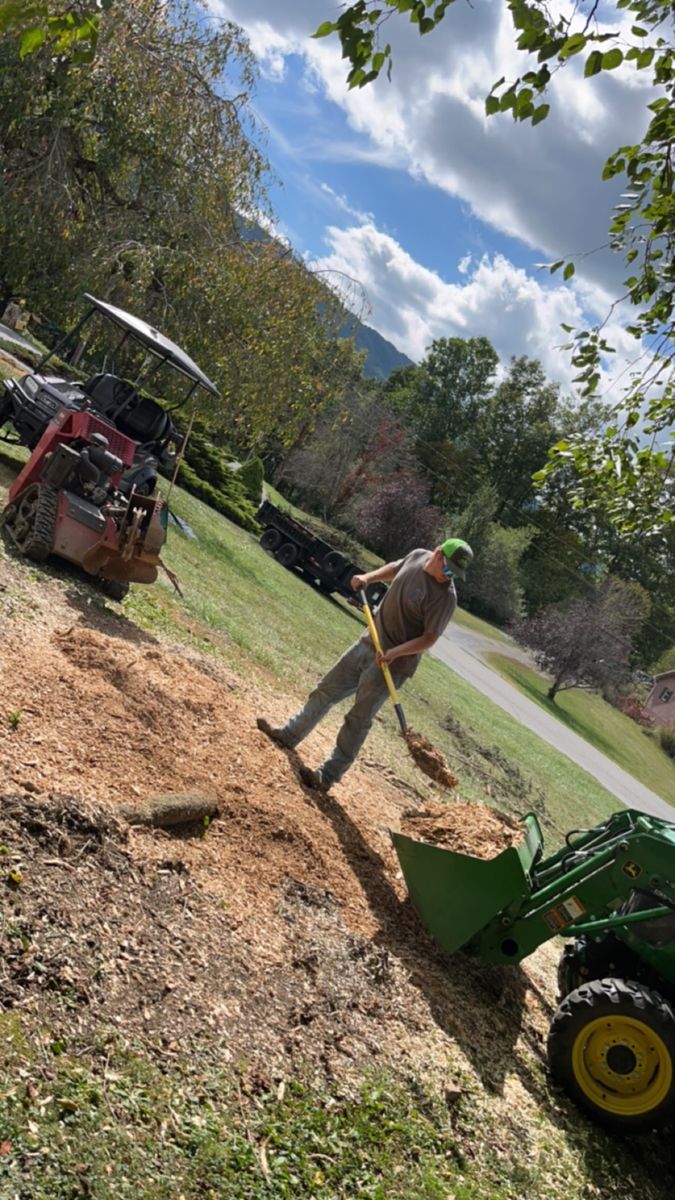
(622,1065)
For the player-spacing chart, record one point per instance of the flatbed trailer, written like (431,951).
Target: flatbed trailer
(297,548)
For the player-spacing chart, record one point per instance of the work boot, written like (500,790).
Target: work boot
(314,779)
(275,735)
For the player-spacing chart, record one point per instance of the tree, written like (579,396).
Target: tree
(397,517)
(440,402)
(616,471)
(69,28)
(513,431)
(587,643)
(493,586)
(137,177)
(356,443)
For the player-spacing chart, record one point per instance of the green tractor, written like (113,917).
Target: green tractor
(612,1040)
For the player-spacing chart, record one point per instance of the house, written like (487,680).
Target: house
(660,702)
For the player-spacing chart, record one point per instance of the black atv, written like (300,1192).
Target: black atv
(30,403)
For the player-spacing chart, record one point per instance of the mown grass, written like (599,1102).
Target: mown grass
(604,727)
(102,1120)
(103,1117)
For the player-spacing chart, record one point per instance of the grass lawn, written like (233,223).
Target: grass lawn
(603,726)
(477,625)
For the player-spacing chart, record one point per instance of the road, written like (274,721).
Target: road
(10,335)
(463,651)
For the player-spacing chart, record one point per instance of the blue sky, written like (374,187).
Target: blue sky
(438,214)
(313,149)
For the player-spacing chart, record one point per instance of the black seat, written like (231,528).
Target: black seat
(107,392)
(143,419)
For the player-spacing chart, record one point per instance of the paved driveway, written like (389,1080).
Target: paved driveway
(463,651)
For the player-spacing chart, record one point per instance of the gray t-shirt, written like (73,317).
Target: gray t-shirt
(415,604)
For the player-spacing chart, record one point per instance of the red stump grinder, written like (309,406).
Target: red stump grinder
(67,501)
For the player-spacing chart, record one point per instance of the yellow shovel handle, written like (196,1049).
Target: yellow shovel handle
(378,649)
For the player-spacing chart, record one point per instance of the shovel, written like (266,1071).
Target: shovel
(426,756)
(391,687)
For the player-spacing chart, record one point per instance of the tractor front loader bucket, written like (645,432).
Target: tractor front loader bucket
(456,895)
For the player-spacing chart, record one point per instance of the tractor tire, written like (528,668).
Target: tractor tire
(270,540)
(115,589)
(607,957)
(34,521)
(288,554)
(612,1048)
(333,564)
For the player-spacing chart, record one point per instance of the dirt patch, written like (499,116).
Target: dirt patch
(471,829)
(430,760)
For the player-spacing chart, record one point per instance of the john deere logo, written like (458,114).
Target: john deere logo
(632,870)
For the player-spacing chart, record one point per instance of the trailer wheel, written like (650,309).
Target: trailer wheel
(333,564)
(33,521)
(270,539)
(612,1048)
(288,554)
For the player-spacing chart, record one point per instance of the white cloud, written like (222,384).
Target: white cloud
(542,185)
(412,305)
(342,203)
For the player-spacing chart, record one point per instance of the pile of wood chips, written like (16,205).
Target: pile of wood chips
(474,829)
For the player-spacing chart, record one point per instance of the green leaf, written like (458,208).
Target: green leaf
(612,59)
(593,64)
(556,266)
(573,45)
(31,39)
(324,29)
(569,270)
(540,114)
(491,106)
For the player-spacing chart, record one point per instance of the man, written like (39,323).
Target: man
(413,614)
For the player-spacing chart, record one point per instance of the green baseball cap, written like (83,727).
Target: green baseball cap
(459,555)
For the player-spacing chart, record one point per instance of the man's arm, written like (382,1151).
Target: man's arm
(415,646)
(383,574)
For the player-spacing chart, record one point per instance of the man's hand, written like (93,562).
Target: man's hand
(359,582)
(385,656)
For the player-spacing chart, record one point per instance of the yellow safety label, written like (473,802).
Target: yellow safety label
(565,913)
